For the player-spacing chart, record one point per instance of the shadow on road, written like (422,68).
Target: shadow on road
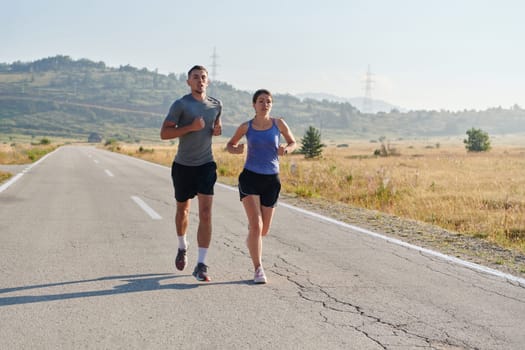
(132,284)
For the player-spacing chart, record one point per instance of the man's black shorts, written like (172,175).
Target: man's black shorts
(188,181)
(267,187)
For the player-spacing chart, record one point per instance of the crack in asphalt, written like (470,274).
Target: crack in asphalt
(311,292)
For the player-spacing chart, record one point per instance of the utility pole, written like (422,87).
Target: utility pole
(214,64)
(367,100)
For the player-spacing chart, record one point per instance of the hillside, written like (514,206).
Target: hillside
(58,96)
(375,105)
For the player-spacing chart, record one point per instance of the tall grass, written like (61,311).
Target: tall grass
(17,153)
(475,194)
(14,153)
(4,176)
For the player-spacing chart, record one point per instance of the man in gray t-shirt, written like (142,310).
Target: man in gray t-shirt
(194,119)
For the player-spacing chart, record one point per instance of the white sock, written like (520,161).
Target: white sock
(183,244)
(202,255)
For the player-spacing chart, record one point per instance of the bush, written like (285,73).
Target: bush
(477,141)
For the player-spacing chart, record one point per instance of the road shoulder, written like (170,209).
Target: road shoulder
(424,235)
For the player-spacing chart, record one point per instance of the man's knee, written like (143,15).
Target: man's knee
(183,210)
(205,216)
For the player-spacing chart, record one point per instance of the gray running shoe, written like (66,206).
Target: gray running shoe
(201,273)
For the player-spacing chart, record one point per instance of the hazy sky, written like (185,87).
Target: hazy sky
(423,54)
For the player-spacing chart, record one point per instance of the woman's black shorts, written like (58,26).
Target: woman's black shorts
(191,180)
(267,187)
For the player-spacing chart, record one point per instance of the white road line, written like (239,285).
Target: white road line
(15,178)
(152,213)
(9,182)
(110,174)
(445,257)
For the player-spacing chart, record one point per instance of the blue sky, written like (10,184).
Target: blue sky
(423,54)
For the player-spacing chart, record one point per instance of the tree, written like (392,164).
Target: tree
(477,141)
(311,143)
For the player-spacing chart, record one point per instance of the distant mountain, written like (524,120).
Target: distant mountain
(357,102)
(62,97)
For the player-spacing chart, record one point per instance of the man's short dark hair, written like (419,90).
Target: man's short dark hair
(197,67)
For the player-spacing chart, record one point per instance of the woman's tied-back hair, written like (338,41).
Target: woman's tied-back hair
(259,93)
(197,67)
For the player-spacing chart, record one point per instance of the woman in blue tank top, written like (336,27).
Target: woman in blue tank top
(259,183)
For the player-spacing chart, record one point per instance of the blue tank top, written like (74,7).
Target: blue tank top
(262,155)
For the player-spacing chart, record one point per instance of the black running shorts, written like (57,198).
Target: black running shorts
(188,181)
(267,187)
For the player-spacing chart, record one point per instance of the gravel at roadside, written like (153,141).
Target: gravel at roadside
(420,234)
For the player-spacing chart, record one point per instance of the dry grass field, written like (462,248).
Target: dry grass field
(476,194)
(18,153)
(21,153)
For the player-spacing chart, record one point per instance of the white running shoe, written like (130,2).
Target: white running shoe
(259,277)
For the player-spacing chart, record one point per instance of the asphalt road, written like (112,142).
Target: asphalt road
(87,244)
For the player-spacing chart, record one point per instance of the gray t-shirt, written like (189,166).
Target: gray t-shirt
(195,147)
